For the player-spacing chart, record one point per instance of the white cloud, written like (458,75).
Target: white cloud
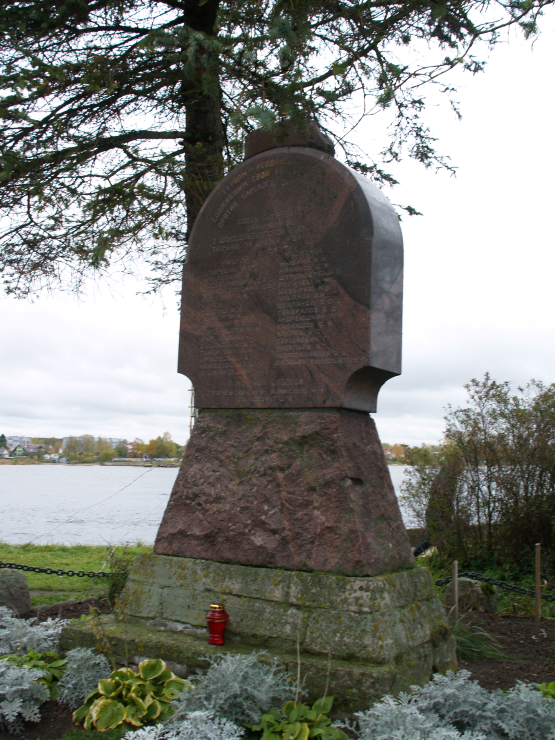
(479,264)
(105,366)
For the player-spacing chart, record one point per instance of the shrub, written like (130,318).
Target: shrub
(21,695)
(197,726)
(454,704)
(131,699)
(489,493)
(299,721)
(21,635)
(237,687)
(50,664)
(84,670)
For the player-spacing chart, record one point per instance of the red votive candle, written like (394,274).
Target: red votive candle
(217,619)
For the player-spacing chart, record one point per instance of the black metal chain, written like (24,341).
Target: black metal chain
(495,582)
(440,582)
(53,572)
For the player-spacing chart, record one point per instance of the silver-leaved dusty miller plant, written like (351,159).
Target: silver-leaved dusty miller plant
(196,726)
(452,706)
(20,696)
(22,635)
(85,669)
(239,688)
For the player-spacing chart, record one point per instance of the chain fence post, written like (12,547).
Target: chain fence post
(455,582)
(537,610)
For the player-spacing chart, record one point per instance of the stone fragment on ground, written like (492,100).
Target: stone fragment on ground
(474,596)
(14,592)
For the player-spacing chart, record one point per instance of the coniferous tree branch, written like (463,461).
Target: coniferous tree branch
(120,116)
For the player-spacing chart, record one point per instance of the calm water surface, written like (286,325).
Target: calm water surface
(93,505)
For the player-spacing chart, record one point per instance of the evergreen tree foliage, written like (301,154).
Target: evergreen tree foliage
(120,116)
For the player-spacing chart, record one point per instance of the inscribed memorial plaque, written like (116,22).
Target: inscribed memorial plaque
(292,292)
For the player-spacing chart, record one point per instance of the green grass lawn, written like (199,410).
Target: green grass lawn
(78,557)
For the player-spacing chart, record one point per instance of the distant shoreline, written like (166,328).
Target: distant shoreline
(129,464)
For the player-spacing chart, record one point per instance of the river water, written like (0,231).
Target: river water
(96,505)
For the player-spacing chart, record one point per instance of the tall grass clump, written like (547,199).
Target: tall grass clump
(474,643)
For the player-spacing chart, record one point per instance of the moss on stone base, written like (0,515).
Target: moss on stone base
(377,635)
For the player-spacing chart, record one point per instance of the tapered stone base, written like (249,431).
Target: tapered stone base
(375,635)
(295,489)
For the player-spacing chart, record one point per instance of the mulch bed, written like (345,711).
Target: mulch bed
(71,609)
(535,660)
(55,722)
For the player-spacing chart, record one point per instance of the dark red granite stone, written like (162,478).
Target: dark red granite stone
(261,141)
(292,293)
(299,490)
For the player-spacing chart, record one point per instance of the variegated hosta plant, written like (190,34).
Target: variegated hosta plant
(131,699)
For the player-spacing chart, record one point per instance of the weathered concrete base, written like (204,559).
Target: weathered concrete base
(375,634)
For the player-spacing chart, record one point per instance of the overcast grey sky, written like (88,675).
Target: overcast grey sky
(479,269)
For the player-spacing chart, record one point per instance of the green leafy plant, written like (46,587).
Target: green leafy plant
(83,618)
(547,689)
(299,722)
(50,664)
(131,699)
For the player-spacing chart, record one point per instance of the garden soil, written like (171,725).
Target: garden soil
(535,658)
(535,661)
(72,609)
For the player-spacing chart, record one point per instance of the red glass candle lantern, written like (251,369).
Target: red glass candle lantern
(217,619)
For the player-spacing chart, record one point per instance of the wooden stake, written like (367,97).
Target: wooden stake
(455,582)
(538,591)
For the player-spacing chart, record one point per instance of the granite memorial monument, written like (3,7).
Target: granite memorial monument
(283,507)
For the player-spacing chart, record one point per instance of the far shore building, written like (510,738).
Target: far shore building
(12,442)
(112,441)
(26,449)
